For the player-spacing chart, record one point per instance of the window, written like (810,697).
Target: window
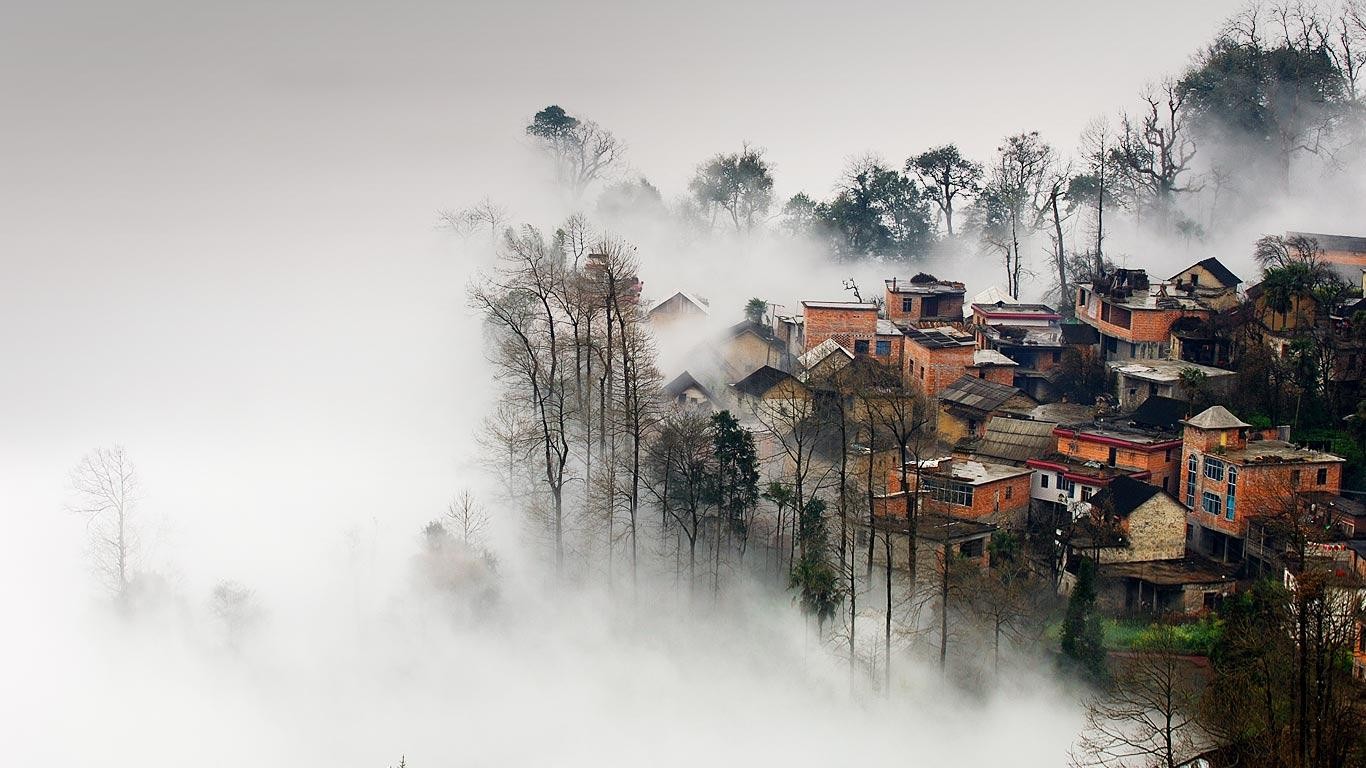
(861,346)
(1168,455)
(942,489)
(1229,502)
(929,307)
(1191,464)
(1211,503)
(1068,485)
(1214,469)
(1009,491)
(906,303)
(1294,477)
(884,347)
(1085,493)
(1043,481)
(1114,452)
(1322,478)
(1081,297)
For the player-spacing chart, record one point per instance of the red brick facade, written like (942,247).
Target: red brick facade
(1160,460)
(934,369)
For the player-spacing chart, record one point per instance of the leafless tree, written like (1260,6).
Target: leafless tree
(1154,150)
(466,518)
(106,487)
(236,609)
(1147,717)
(485,213)
(530,352)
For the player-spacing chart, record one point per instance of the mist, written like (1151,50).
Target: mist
(221,251)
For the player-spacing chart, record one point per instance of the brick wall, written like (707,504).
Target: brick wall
(844,325)
(1163,463)
(932,370)
(1001,374)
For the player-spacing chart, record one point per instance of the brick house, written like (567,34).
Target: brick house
(936,357)
(854,326)
(1148,452)
(923,299)
(975,490)
(686,392)
(1133,316)
(964,538)
(1232,473)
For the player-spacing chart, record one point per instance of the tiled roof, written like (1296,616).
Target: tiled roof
(1216,417)
(979,394)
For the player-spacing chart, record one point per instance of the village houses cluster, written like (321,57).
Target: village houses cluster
(1156,479)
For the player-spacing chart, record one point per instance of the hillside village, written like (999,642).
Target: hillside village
(1132,429)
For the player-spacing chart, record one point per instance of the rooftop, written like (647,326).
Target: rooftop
(854,305)
(682,383)
(919,285)
(1191,569)
(1163,371)
(980,394)
(971,472)
(1024,335)
(1011,440)
(821,351)
(1276,452)
(692,298)
(1122,432)
(1216,417)
(1334,242)
(1003,308)
(1071,465)
(936,527)
(1160,412)
(758,383)
(1215,267)
(886,327)
(941,337)
(991,357)
(1124,494)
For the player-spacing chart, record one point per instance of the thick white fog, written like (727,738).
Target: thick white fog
(219,250)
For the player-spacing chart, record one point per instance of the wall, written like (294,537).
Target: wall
(1163,463)
(932,370)
(843,325)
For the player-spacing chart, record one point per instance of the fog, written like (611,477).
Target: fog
(219,247)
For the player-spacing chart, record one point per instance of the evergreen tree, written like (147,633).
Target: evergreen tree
(1082,641)
(813,575)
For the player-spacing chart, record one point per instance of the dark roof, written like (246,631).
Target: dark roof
(938,338)
(1221,272)
(761,381)
(1334,242)
(682,383)
(1080,333)
(1191,569)
(933,526)
(1124,494)
(1012,440)
(1161,412)
(979,394)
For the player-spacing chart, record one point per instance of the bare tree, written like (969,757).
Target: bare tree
(530,352)
(1147,717)
(1154,151)
(466,518)
(485,213)
(236,609)
(106,487)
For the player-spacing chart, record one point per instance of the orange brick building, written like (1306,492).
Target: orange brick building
(937,357)
(1232,473)
(856,327)
(923,299)
(1133,316)
(975,490)
(1132,449)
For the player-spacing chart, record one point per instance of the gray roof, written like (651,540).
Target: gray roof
(1009,439)
(762,380)
(979,394)
(682,383)
(1216,417)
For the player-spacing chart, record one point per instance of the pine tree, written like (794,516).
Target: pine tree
(1082,639)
